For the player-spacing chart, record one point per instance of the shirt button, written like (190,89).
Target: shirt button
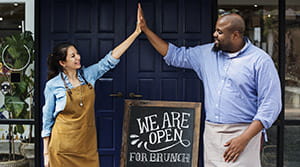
(222,80)
(217,117)
(217,105)
(219,92)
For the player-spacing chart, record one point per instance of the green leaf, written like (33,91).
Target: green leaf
(21,90)
(2,109)
(14,105)
(19,63)
(13,52)
(20,129)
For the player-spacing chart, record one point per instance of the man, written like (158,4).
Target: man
(242,90)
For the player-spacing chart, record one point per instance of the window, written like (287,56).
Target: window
(292,75)
(17,124)
(292,84)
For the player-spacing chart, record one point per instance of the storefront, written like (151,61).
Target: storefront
(95,26)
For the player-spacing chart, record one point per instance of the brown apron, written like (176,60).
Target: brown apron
(73,140)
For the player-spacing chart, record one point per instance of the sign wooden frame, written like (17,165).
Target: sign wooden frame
(195,106)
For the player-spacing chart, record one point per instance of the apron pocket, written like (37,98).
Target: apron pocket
(73,141)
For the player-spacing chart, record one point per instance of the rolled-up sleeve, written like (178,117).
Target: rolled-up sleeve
(178,57)
(95,71)
(269,94)
(48,112)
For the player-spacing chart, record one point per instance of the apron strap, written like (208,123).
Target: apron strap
(66,86)
(82,75)
(86,82)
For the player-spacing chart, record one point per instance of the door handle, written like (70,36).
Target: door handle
(133,95)
(119,94)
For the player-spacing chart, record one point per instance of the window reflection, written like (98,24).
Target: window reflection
(292,83)
(12,16)
(18,144)
(291,146)
(16,62)
(292,75)
(17,82)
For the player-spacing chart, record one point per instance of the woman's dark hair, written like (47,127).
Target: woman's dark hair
(59,53)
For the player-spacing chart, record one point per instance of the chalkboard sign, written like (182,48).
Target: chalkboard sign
(160,134)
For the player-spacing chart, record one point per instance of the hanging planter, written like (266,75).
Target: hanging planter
(17,55)
(16,58)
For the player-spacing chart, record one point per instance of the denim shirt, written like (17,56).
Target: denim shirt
(238,88)
(55,91)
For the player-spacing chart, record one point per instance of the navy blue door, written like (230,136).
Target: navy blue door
(96,26)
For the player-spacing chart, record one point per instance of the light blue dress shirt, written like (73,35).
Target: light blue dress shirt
(239,88)
(55,91)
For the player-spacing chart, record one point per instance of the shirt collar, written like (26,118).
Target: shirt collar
(67,79)
(247,44)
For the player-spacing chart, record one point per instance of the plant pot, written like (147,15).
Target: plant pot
(27,149)
(20,161)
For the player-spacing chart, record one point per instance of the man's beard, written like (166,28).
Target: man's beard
(216,48)
(222,47)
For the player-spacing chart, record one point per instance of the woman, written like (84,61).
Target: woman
(69,132)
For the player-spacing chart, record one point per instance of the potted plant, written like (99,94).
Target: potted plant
(17,84)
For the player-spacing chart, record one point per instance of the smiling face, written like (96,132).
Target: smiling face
(223,35)
(229,33)
(72,61)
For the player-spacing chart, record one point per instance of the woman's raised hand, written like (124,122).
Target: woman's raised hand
(138,22)
(141,19)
